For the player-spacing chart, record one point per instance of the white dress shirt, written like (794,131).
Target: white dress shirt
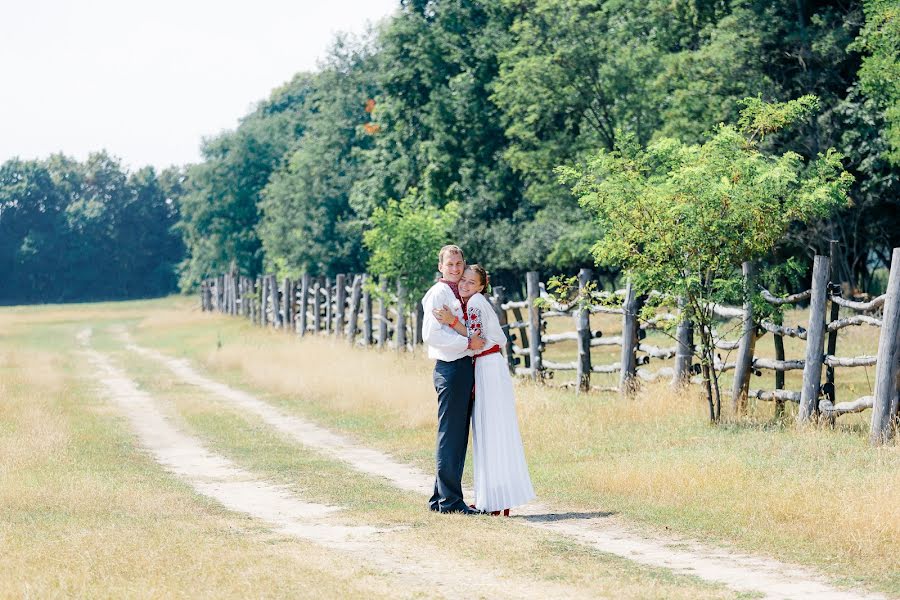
(443,342)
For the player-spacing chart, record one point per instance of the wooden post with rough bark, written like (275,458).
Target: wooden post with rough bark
(744,361)
(277,320)
(367,312)
(498,300)
(684,349)
(583,328)
(419,313)
(815,341)
(532,286)
(317,306)
(353,318)
(303,305)
(628,360)
(383,314)
(887,369)
(288,301)
(779,356)
(400,328)
(264,302)
(340,304)
(329,314)
(259,298)
(835,313)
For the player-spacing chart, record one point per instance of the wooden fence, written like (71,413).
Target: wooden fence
(344,307)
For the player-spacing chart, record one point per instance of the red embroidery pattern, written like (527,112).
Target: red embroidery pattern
(473,322)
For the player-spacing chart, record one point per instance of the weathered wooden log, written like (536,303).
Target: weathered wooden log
(340,304)
(856,361)
(607,310)
(532,286)
(651,376)
(220,293)
(744,359)
(497,301)
(815,341)
(558,366)
(727,344)
(657,352)
(522,325)
(289,303)
(778,365)
(728,312)
(584,336)
(834,326)
(779,375)
(684,350)
(353,315)
(842,408)
(792,299)
(777,395)
(661,321)
(615,340)
(303,305)
(277,303)
(887,373)
(317,305)
(264,302)
(419,313)
(400,331)
(382,314)
(778,329)
(834,313)
(329,306)
(512,305)
(862,306)
(554,313)
(627,362)
(367,312)
(610,368)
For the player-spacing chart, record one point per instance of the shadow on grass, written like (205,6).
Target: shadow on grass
(566,516)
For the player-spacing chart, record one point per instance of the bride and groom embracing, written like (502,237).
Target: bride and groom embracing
(472,381)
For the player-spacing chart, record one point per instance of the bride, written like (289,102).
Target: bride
(501,473)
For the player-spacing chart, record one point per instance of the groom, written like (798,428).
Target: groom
(454,377)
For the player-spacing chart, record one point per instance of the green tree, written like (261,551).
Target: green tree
(681,219)
(404,241)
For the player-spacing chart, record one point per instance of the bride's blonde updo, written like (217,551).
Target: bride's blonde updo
(483,275)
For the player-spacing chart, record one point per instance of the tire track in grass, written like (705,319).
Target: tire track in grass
(239,490)
(740,572)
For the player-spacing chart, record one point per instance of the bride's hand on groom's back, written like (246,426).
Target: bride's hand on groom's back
(444,315)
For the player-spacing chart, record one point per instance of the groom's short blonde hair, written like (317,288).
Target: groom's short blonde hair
(450,249)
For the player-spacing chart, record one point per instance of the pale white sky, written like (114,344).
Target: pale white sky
(147,80)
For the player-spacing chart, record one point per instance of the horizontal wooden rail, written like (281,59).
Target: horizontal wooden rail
(792,299)
(860,306)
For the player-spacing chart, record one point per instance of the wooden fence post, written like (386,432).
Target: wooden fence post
(289,300)
(276,305)
(532,283)
(779,355)
(834,289)
(220,293)
(499,298)
(887,371)
(304,304)
(420,319)
(353,320)
(340,304)
(815,341)
(583,328)
(329,314)
(367,312)
(260,300)
(317,306)
(523,333)
(264,302)
(383,313)
(744,362)
(628,360)
(400,328)
(684,349)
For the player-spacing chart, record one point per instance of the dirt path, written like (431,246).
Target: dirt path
(239,490)
(740,572)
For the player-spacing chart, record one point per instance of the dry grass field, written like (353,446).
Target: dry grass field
(87,513)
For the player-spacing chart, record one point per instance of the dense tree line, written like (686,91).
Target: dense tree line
(87,231)
(476,102)
(472,104)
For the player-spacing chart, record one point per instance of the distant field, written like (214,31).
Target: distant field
(86,512)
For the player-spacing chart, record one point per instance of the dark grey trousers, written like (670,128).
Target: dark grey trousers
(453,382)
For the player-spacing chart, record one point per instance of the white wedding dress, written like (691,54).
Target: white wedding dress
(501,473)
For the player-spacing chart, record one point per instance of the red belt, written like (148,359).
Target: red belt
(492,350)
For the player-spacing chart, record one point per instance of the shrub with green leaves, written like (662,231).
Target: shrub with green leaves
(681,219)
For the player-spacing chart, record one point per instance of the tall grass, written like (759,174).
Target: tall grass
(818,496)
